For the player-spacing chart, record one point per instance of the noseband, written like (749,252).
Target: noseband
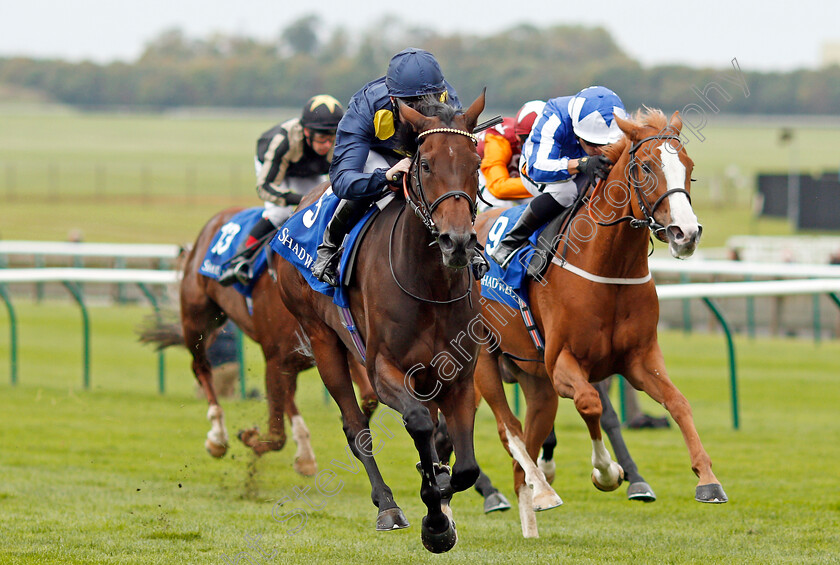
(644,204)
(416,195)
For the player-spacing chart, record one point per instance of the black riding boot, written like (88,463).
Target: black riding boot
(239,268)
(540,210)
(325,267)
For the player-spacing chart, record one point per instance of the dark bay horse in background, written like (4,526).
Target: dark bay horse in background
(411,301)
(205,306)
(597,308)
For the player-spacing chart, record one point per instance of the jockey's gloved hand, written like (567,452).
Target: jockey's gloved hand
(394,174)
(292,198)
(594,166)
(479,265)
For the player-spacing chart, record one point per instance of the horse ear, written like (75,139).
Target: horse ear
(475,110)
(410,115)
(631,129)
(676,122)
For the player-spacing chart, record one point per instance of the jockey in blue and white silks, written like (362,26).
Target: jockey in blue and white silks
(561,154)
(366,153)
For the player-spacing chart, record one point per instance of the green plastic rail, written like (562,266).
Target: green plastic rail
(12,334)
(733,375)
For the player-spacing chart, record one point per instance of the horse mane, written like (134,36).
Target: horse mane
(431,106)
(647,118)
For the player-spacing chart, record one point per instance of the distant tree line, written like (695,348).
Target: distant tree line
(516,65)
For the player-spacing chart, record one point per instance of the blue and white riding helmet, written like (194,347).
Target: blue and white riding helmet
(592,110)
(414,72)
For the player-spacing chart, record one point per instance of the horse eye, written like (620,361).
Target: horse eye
(425,166)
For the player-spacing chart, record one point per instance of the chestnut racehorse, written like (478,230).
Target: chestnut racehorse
(597,308)
(205,306)
(411,301)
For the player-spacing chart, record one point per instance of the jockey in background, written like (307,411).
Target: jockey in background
(561,156)
(292,158)
(499,147)
(366,152)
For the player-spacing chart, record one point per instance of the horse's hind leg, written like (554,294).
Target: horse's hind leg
(648,373)
(638,489)
(493,499)
(546,460)
(331,359)
(199,320)
(531,488)
(368,400)
(305,463)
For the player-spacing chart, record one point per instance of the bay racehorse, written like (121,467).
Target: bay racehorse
(205,306)
(597,308)
(411,301)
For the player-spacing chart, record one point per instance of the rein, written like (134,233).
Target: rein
(399,284)
(644,205)
(415,195)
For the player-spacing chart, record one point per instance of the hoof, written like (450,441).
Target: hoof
(610,484)
(549,469)
(306,467)
(712,494)
(442,542)
(215,449)
(391,519)
(496,502)
(546,500)
(249,437)
(640,491)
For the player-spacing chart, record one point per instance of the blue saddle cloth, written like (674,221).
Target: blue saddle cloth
(297,242)
(227,242)
(507,285)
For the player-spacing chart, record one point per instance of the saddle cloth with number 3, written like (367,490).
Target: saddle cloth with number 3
(297,242)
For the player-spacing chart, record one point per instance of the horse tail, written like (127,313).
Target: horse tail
(161,331)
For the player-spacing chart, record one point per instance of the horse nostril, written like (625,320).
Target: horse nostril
(445,242)
(676,233)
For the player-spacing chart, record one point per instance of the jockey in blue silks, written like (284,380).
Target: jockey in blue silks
(561,155)
(366,154)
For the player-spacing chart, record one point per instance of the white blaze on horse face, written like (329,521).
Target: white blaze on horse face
(682,214)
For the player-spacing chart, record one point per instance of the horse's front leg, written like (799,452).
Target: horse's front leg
(571,381)
(279,388)
(638,489)
(647,373)
(400,391)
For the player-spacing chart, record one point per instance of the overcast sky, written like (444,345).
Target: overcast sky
(762,35)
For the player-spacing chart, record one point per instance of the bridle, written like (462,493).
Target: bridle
(644,204)
(415,195)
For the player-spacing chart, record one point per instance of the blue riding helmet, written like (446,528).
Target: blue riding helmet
(592,110)
(414,72)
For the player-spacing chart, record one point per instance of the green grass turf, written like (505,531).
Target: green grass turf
(118,474)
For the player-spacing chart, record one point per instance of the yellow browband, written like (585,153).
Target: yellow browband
(448,130)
